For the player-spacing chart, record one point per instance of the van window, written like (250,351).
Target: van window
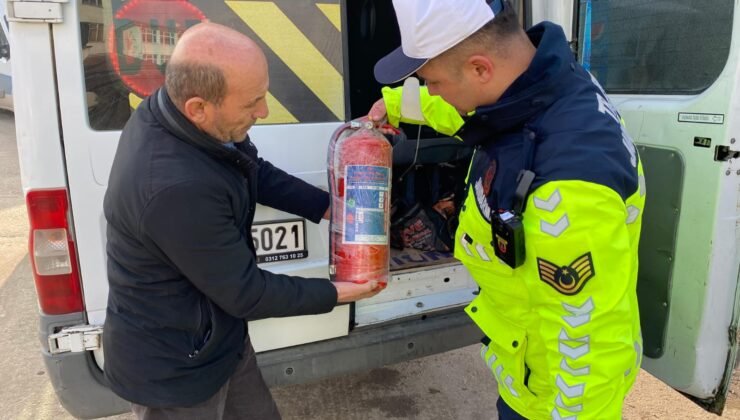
(655,46)
(126,45)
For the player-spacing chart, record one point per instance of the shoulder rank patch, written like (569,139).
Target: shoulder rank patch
(569,279)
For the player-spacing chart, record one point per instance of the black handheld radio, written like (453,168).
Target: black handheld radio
(507,226)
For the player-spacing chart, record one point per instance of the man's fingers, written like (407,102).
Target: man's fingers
(377,111)
(379,116)
(350,292)
(375,288)
(371,288)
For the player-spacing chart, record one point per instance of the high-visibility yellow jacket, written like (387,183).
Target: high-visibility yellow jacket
(563,329)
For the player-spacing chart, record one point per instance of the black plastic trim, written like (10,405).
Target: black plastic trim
(81,389)
(369,348)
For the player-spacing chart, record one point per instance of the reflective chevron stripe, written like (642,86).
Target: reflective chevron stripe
(572,408)
(509,381)
(555,229)
(573,352)
(579,315)
(482,252)
(499,371)
(565,337)
(632,214)
(550,204)
(465,241)
(574,391)
(491,361)
(575,372)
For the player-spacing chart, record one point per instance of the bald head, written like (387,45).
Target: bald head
(218,79)
(207,59)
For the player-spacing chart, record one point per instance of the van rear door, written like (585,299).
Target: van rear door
(672,70)
(112,54)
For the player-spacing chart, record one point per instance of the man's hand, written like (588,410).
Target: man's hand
(327,213)
(379,116)
(377,112)
(350,292)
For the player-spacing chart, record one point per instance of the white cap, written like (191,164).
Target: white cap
(429,28)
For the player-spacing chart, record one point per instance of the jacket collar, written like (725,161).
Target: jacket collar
(167,114)
(532,92)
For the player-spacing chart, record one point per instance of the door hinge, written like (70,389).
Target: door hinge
(724,153)
(76,339)
(41,11)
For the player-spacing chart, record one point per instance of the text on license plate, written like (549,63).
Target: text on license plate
(280,241)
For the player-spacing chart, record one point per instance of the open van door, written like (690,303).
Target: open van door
(671,68)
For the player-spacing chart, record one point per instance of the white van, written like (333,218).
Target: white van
(671,67)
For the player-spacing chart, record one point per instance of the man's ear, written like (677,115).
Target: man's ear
(195,110)
(481,68)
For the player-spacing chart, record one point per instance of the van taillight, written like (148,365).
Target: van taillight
(53,254)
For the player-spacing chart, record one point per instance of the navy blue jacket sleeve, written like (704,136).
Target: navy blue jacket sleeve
(282,191)
(193,225)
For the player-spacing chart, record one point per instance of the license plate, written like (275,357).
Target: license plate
(280,241)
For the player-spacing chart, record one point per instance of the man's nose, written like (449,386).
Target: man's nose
(262,111)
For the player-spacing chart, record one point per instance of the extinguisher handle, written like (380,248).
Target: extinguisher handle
(389,129)
(383,126)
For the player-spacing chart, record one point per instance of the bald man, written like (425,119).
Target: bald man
(181,264)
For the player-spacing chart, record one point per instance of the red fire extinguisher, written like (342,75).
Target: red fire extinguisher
(359,168)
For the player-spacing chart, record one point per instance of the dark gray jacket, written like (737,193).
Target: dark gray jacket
(181,265)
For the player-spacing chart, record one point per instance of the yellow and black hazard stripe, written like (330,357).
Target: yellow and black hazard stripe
(303,43)
(302,40)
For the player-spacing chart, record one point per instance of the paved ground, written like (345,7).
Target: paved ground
(425,389)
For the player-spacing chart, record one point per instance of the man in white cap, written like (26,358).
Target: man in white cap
(550,225)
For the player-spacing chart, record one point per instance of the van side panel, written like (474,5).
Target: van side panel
(36,118)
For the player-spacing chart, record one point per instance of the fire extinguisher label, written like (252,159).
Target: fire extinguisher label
(366,201)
